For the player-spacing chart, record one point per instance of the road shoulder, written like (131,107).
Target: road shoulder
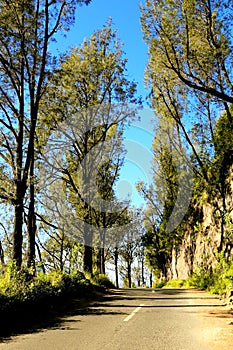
(218,323)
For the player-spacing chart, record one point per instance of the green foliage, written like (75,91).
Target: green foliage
(20,289)
(218,281)
(189,69)
(25,64)
(165,209)
(102,281)
(222,279)
(83,99)
(223,133)
(176,283)
(201,278)
(159,284)
(190,42)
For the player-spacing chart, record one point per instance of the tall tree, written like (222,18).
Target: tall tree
(106,215)
(190,77)
(128,247)
(26,30)
(189,70)
(89,113)
(192,40)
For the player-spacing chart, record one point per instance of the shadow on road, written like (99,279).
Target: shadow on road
(53,318)
(159,294)
(99,305)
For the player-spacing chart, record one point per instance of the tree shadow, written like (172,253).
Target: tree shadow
(53,317)
(157,306)
(167,294)
(59,316)
(221,314)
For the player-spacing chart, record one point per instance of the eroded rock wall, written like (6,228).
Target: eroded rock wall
(202,240)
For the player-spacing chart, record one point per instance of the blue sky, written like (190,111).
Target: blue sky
(125,15)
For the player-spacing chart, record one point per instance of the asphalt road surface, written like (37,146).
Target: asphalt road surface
(137,319)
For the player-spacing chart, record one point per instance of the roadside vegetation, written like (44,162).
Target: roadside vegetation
(20,288)
(189,73)
(26,299)
(217,281)
(59,212)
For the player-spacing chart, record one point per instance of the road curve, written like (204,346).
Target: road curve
(137,319)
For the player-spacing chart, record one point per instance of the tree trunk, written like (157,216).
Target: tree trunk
(129,274)
(151,280)
(40,258)
(98,260)
(2,255)
(61,263)
(88,237)
(31,221)
(18,232)
(87,260)
(102,261)
(116,254)
(20,185)
(87,254)
(143,278)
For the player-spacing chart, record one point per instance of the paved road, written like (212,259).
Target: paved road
(168,319)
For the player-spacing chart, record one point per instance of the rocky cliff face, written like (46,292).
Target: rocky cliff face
(202,240)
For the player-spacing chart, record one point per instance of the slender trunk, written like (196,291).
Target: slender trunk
(102,261)
(40,258)
(98,260)
(116,254)
(87,234)
(19,183)
(2,255)
(143,278)
(102,249)
(19,192)
(87,260)
(18,231)
(61,253)
(139,281)
(31,220)
(129,274)
(151,280)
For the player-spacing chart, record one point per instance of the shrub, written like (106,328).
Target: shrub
(159,284)
(103,281)
(20,290)
(222,277)
(176,283)
(201,278)
(219,281)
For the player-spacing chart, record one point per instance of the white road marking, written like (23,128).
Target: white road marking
(133,313)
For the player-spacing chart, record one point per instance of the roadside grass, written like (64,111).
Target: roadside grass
(216,281)
(174,283)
